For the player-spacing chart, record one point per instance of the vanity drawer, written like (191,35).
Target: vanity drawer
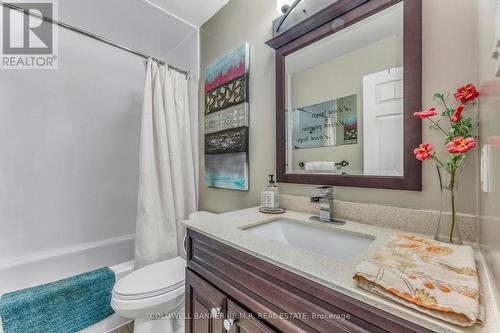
(239,320)
(273,292)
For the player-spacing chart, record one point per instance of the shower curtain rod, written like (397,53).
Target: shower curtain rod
(94,36)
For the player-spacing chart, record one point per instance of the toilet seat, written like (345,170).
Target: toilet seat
(148,295)
(139,308)
(153,280)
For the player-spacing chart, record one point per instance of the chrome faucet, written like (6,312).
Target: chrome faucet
(325,205)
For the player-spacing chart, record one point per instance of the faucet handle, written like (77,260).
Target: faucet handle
(315,199)
(326,190)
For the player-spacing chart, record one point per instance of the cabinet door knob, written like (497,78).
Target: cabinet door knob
(228,323)
(216,312)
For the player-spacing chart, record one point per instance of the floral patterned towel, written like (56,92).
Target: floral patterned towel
(433,277)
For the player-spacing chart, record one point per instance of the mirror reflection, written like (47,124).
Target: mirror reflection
(344,100)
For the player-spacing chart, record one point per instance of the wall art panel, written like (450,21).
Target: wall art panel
(227,119)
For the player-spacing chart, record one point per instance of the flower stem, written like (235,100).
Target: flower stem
(441,98)
(453,215)
(437,125)
(441,164)
(453,208)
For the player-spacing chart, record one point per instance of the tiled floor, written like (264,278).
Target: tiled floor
(128,328)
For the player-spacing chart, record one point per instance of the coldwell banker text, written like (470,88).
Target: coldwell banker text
(29,39)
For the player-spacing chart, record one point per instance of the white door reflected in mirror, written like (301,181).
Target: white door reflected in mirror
(383,122)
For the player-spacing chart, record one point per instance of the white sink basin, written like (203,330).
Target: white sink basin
(337,244)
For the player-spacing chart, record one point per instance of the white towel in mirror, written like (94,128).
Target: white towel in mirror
(321,166)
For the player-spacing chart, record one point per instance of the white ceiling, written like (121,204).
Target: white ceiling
(154,27)
(195,12)
(134,23)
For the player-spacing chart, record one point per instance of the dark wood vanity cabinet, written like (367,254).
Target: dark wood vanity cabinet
(228,290)
(205,306)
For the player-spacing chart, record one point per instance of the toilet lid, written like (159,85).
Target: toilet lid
(152,280)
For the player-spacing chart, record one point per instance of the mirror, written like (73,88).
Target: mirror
(348,80)
(344,100)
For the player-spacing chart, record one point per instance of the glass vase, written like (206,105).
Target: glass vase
(447,228)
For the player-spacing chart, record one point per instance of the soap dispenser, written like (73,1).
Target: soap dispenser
(269,197)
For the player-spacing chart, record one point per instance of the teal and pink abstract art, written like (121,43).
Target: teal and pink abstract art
(226,120)
(227,68)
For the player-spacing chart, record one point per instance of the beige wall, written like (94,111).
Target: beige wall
(489,132)
(447,61)
(340,77)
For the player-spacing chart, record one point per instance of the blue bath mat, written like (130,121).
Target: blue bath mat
(63,306)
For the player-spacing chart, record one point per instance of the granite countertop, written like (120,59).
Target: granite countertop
(228,229)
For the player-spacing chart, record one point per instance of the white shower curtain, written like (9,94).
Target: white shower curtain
(167,180)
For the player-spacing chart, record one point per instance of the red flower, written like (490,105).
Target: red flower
(423,152)
(426,113)
(460,145)
(466,93)
(458,114)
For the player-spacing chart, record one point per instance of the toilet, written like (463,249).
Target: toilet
(153,296)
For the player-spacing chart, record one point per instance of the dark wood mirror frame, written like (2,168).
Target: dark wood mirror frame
(319,26)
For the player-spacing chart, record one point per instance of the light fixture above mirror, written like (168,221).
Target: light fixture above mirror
(283,5)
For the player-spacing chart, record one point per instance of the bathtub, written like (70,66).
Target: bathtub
(39,268)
